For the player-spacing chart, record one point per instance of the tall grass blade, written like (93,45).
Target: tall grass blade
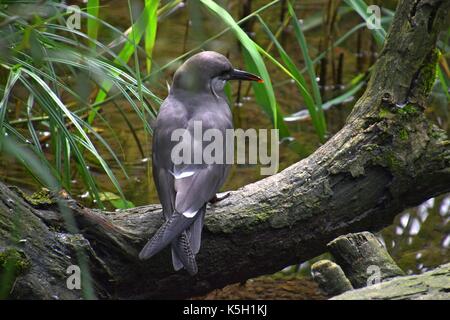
(150,32)
(344,97)
(299,80)
(309,64)
(93,9)
(12,79)
(252,54)
(137,31)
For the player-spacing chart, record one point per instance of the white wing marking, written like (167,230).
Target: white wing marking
(190,214)
(181,175)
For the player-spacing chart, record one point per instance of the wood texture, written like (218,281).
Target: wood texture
(386,158)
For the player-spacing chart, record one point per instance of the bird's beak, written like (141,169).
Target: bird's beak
(244,75)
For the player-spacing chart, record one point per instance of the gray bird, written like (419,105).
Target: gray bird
(197,94)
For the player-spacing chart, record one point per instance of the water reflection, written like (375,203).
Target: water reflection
(419,238)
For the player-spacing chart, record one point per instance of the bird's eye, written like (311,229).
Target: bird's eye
(225,74)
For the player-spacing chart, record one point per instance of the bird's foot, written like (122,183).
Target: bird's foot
(217,198)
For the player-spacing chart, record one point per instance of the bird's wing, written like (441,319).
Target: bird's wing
(196,184)
(169,118)
(195,231)
(171,229)
(197,187)
(192,194)
(164,182)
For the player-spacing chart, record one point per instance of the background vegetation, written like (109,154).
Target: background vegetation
(78,99)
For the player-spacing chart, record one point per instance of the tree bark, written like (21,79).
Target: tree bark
(386,158)
(431,285)
(356,253)
(330,277)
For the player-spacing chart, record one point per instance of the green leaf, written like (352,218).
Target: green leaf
(115,200)
(92,23)
(39,169)
(150,33)
(304,114)
(14,75)
(249,47)
(134,37)
(122,204)
(296,75)
(264,94)
(309,65)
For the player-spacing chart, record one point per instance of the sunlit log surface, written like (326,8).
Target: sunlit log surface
(386,158)
(431,285)
(356,253)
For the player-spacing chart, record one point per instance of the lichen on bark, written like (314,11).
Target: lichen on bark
(13,263)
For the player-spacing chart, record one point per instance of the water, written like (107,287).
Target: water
(419,237)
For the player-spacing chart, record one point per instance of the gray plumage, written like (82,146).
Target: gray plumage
(184,190)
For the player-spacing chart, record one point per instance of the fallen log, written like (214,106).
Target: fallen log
(386,158)
(431,285)
(362,256)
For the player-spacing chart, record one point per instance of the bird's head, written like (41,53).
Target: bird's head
(208,71)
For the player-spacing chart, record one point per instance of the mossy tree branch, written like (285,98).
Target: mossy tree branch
(386,158)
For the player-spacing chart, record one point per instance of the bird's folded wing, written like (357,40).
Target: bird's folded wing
(164,182)
(195,186)
(173,227)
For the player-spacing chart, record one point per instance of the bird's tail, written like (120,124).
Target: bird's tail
(182,255)
(185,247)
(173,227)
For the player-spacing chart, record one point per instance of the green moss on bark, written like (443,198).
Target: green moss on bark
(427,75)
(15,258)
(407,111)
(13,263)
(403,134)
(42,198)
